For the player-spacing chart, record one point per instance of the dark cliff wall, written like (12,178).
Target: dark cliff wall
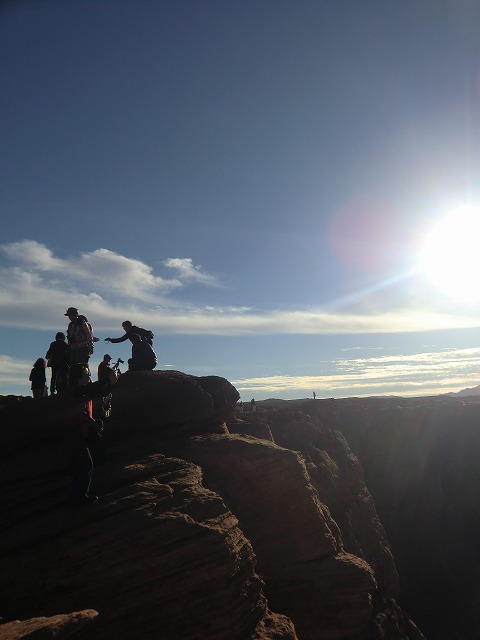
(421,463)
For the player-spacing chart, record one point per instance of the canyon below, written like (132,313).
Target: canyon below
(350,519)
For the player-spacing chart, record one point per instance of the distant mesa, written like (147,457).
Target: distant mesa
(472,391)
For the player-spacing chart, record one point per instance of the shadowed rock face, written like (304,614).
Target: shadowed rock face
(421,462)
(199,533)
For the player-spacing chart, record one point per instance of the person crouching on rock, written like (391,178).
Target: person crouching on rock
(82,428)
(143,356)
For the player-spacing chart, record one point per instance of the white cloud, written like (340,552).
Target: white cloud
(13,372)
(106,286)
(102,269)
(406,375)
(103,282)
(32,254)
(187,271)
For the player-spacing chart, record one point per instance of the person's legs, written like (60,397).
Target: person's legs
(82,467)
(61,380)
(96,443)
(53,381)
(80,355)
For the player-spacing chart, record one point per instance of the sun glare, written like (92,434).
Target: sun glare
(450,257)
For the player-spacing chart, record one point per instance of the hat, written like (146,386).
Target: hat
(71,311)
(107,357)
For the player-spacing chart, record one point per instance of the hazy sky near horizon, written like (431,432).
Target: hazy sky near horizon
(254,181)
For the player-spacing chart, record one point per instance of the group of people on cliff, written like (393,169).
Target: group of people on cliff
(68,357)
(77,347)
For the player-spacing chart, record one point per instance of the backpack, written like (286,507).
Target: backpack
(91,338)
(146,335)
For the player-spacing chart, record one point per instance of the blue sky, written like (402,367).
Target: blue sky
(254,181)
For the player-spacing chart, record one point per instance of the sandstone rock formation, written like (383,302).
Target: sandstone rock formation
(265,533)
(55,627)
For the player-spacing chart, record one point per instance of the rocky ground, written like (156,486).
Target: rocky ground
(209,524)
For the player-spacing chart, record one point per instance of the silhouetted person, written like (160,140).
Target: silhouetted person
(143,356)
(57,357)
(39,379)
(104,368)
(130,329)
(253,406)
(314,395)
(79,337)
(82,428)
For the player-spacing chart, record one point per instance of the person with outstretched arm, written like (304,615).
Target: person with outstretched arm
(131,329)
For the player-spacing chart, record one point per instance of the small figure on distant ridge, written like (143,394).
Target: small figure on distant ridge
(39,379)
(314,395)
(131,329)
(253,405)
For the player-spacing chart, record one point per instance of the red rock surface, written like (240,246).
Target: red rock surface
(199,533)
(56,627)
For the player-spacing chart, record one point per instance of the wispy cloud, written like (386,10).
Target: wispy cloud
(102,282)
(36,286)
(188,272)
(406,375)
(13,372)
(102,269)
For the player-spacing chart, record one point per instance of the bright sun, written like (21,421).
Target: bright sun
(450,257)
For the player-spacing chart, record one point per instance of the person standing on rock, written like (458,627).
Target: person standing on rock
(39,379)
(83,431)
(57,359)
(104,370)
(79,336)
